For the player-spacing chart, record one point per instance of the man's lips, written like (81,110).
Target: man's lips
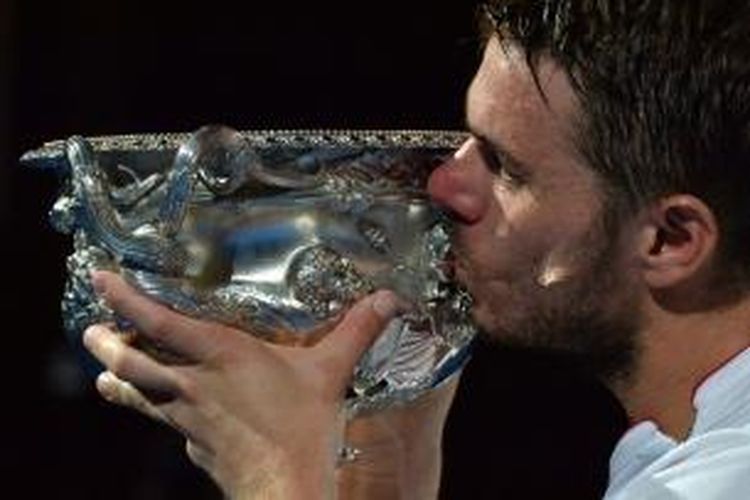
(456,268)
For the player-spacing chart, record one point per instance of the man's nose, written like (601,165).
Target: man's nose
(462,184)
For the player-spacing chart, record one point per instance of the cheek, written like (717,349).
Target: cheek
(549,240)
(497,255)
(518,245)
(500,307)
(521,226)
(498,265)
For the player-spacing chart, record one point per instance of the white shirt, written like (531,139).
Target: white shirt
(713,463)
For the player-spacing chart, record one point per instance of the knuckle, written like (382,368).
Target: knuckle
(159,326)
(118,363)
(187,389)
(113,299)
(108,387)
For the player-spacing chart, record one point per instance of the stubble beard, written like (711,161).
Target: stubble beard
(592,317)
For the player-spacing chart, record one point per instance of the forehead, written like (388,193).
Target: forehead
(505,105)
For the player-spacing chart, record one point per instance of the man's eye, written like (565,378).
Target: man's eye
(508,178)
(497,167)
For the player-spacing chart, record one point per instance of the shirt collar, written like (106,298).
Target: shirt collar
(722,401)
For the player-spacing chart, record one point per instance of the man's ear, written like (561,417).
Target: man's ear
(678,240)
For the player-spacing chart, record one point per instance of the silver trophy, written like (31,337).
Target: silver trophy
(275,233)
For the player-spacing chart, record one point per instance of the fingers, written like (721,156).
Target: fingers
(128,363)
(123,393)
(171,411)
(178,333)
(364,322)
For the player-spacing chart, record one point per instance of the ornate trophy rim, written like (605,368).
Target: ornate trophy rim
(52,153)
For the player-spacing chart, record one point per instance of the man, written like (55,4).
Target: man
(600,211)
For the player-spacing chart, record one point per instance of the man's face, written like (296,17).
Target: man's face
(531,243)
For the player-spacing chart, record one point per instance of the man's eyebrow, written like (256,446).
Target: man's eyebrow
(497,147)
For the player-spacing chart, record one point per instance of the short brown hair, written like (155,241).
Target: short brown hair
(664,88)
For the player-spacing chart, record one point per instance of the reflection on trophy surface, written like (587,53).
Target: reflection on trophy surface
(275,233)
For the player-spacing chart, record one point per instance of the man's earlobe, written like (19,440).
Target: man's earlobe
(678,240)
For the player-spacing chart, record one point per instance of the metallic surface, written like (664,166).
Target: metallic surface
(276,233)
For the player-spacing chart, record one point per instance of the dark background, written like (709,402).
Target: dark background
(524,426)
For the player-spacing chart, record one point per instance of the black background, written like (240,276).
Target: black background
(524,426)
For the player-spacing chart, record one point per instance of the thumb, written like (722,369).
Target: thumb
(361,325)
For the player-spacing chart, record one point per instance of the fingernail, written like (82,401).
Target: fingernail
(106,385)
(105,379)
(89,335)
(385,304)
(97,281)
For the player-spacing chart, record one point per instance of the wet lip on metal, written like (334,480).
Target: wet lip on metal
(456,268)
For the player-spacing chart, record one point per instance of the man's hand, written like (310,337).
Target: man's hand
(263,420)
(400,450)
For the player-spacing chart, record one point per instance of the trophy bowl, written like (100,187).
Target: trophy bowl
(276,233)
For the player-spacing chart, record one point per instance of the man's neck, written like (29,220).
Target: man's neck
(678,352)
